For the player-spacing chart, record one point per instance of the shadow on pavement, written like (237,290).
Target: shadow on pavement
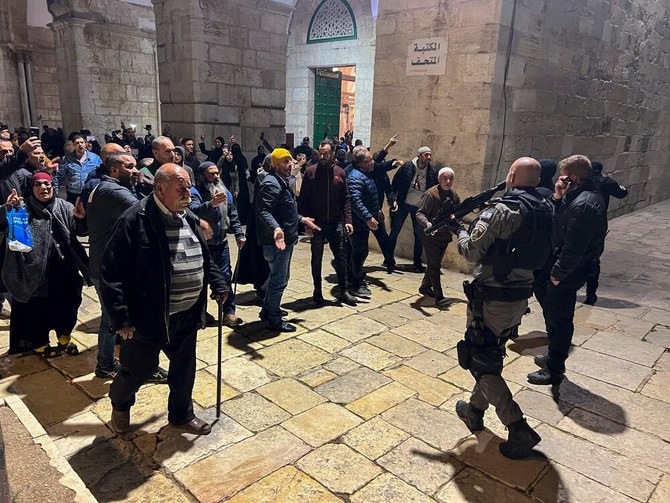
(569,394)
(608,303)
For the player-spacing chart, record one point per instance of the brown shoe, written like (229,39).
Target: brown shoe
(196,426)
(120,421)
(232,320)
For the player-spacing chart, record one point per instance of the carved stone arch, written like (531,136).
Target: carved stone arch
(332,20)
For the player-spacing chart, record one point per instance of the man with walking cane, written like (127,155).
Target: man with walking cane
(154,278)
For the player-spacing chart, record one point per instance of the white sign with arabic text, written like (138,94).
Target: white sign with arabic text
(427,56)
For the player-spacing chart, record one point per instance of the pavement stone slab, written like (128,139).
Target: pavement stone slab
(206,350)
(155,488)
(438,428)
(472,486)
(322,424)
(420,465)
(324,340)
(396,344)
(482,452)
(291,357)
(204,390)
(375,438)
(355,328)
(315,318)
(658,385)
(341,365)
(459,377)
(286,485)
(660,336)
(561,483)
(662,492)
(242,374)
(318,377)
(540,406)
(609,468)
(235,467)
(291,395)
(607,368)
(432,363)
(339,468)
(633,327)
(625,347)
(388,488)
(380,400)
(148,415)
(429,335)
(352,385)
(370,356)
(430,389)
(635,445)
(254,412)
(386,317)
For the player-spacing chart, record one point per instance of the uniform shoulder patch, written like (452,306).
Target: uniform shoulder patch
(486,214)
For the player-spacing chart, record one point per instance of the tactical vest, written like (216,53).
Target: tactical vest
(530,246)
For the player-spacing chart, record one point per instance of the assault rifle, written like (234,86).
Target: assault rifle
(468,205)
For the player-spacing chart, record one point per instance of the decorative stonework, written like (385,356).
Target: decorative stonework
(332,20)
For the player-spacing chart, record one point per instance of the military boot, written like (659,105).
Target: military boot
(471,416)
(520,440)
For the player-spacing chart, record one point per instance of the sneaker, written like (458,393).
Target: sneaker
(232,320)
(361,291)
(108,373)
(159,377)
(283,327)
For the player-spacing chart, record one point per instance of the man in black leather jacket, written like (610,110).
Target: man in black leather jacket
(578,238)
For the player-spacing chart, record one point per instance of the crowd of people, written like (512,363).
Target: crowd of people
(158,223)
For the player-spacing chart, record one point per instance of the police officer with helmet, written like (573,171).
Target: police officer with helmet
(509,240)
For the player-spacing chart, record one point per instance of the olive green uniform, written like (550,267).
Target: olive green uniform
(500,317)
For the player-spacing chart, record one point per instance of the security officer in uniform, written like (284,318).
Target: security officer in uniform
(510,239)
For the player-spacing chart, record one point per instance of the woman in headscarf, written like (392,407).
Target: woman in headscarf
(438,197)
(217,151)
(46,282)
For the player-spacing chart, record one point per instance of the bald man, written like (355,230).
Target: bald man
(153,282)
(511,239)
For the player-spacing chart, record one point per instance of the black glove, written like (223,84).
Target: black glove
(455,226)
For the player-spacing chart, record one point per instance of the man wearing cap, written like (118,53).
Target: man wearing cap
(277,222)
(409,183)
(435,244)
(304,148)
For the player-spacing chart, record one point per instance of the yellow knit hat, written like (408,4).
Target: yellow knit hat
(278,154)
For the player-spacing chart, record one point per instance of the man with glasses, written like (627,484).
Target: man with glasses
(154,277)
(409,183)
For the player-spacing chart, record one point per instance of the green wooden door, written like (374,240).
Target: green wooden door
(327,97)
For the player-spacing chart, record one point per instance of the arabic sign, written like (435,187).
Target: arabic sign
(427,56)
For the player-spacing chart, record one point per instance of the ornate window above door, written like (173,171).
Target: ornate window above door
(332,20)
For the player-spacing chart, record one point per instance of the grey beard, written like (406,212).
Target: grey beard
(215,188)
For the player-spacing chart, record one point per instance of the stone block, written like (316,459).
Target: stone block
(291,357)
(394,343)
(432,363)
(225,473)
(625,347)
(370,356)
(318,377)
(322,424)
(290,395)
(471,486)
(339,468)
(223,54)
(389,489)
(244,375)
(355,328)
(436,427)
(375,438)
(254,412)
(380,400)
(607,368)
(352,385)
(324,340)
(286,484)
(269,98)
(430,389)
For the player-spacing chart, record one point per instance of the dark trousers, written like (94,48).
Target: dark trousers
(492,389)
(593,277)
(558,307)
(140,359)
(397,221)
(359,252)
(220,255)
(435,248)
(384,241)
(334,235)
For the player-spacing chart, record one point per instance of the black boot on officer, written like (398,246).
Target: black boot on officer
(520,440)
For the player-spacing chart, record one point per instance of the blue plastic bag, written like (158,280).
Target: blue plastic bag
(19,239)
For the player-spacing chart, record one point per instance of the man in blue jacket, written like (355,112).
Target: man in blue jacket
(154,277)
(75,168)
(366,216)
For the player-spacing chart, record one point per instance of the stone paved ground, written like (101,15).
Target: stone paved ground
(357,405)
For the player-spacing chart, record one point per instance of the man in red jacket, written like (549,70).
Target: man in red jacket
(324,196)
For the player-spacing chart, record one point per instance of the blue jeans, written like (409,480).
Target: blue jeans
(280,268)
(397,221)
(220,255)
(106,338)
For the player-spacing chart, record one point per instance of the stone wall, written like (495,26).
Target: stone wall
(591,78)
(107,68)
(223,68)
(303,58)
(449,112)
(45,77)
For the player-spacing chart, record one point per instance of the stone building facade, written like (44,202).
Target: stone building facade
(335,48)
